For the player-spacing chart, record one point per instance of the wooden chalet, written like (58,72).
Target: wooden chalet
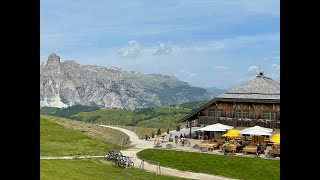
(256,102)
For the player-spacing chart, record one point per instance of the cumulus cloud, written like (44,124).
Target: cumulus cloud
(131,50)
(254,68)
(163,49)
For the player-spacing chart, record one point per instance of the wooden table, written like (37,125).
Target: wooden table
(231,147)
(249,149)
(274,152)
(207,145)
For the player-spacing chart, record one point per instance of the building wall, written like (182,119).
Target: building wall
(255,111)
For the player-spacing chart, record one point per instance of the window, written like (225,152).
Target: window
(242,114)
(215,112)
(245,114)
(269,115)
(273,115)
(238,114)
(265,115)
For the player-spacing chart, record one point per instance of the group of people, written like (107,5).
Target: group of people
(240,145)
(183,139)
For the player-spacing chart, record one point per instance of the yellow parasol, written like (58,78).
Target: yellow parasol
(231,133)
(275,138)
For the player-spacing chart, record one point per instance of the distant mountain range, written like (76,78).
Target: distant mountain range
(69,83)
(216,91)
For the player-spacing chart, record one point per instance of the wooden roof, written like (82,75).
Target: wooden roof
(260,89)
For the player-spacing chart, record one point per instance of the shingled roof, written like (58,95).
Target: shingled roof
(261,87)
(258,89)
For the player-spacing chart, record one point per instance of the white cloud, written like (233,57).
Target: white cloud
(163,49)
(131,50)
(254,68)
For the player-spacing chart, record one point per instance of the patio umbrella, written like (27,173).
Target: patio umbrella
(210,128)
(221,126)
(258,128)
(231,133)
(275,138)
(256,132)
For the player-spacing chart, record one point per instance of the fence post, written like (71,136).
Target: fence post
(158,169)
(142,165)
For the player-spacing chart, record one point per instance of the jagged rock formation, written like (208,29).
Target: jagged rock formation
(68,83)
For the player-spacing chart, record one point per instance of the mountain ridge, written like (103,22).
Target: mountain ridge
(68,83)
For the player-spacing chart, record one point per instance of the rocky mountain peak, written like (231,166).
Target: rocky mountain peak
(53,65)
(69,83)
(53,59)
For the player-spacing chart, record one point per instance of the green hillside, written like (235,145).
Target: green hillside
(62,137)
(57,138)
(148,117)
(164,117)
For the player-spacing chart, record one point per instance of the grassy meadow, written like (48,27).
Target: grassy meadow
(227,166)
(160,117)
(92,169)
(59,140)
(60,136)
(149,117)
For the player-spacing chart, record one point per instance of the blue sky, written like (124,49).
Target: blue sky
(207,43)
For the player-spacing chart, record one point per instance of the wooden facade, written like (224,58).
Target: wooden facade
(256,102)
(241,114)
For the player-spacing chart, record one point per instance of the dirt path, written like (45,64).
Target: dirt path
(70,157)
(139,145)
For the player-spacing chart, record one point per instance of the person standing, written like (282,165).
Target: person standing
(176,140)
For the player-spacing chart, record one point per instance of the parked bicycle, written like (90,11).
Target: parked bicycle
(118,159)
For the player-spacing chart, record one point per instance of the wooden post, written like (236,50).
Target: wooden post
(190,130)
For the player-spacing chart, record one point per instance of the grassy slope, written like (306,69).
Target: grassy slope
(155,118)
(165,117)
(93,130)
(228,166)
(57,140)
(91,169)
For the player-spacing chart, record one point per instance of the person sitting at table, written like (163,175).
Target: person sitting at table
(247,142)
(259,149)
(238,146)
(226,144)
